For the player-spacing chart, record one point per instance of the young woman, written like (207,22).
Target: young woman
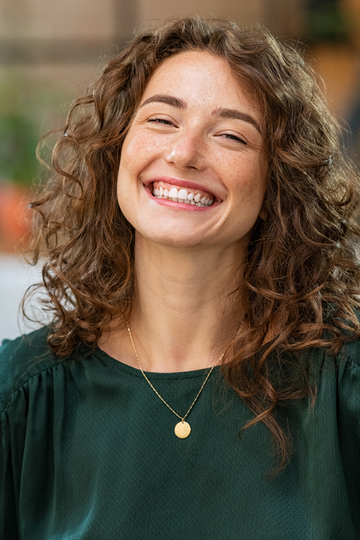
(201,376)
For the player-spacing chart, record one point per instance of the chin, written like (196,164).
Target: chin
(170,240)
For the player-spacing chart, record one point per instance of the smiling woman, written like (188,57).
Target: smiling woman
(200,378)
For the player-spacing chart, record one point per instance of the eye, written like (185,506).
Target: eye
(233,138)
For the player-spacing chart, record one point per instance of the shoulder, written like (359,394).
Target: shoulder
(337,375)
(350,352)
(347,357)
(321,360)
(22,359)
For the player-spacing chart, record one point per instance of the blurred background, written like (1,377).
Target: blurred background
(50,51)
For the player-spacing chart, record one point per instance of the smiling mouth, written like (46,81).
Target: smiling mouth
(194,197)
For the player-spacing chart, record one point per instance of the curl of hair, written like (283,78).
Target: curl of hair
(301,281)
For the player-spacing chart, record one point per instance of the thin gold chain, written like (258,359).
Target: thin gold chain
(182,418)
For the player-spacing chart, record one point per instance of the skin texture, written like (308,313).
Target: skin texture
(188,259)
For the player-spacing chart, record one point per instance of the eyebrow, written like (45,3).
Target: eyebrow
(238,115)
(222,113)
(169,100)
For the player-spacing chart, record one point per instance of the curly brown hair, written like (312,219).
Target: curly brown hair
(301,281)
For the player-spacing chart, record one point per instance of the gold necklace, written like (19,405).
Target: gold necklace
(182,428)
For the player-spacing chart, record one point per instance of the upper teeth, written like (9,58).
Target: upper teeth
(182,195)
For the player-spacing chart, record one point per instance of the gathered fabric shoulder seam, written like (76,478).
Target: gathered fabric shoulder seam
(351,359)
(15,391)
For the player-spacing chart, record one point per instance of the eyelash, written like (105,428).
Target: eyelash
(169,123)
(160,121)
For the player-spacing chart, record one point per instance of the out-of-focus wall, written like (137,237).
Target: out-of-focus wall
(280,16)
(243,13)
(44,19)
(38,30)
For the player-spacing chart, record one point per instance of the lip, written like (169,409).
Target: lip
(182,183)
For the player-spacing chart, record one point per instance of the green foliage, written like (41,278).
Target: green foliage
(28,108)
(18,138)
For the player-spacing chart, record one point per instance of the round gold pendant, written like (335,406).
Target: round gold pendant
(182,430)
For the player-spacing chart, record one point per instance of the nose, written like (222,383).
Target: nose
(187,152)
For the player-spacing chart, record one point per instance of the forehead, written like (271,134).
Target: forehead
(202,76)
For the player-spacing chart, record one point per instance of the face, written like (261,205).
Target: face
(193,170)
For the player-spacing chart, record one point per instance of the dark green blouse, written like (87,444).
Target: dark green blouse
(88,451)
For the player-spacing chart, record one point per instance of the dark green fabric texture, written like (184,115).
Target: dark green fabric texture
(88,452)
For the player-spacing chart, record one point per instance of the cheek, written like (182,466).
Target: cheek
(132,161)
(249,179)
(123,193)
(140,148)
(127,158)
(124,183)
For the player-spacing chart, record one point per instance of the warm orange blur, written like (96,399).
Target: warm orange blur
(14,216)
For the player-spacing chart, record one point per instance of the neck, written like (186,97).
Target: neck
(182,310)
